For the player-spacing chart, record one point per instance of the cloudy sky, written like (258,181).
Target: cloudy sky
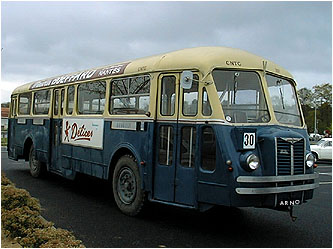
(44,39)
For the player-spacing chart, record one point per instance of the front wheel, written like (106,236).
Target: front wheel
(36,167)
(127,186)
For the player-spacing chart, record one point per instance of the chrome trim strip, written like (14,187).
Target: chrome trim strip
(286,178)
(145,119)
(292,166)
(213,184)
(274,190)
(21,121)
(39,121)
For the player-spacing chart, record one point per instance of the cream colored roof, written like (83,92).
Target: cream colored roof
(202,58)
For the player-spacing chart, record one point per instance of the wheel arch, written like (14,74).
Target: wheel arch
(26,147)
(121,150)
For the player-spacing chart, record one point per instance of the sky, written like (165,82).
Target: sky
(45,39)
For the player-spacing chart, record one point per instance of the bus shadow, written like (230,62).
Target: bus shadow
(211,220)
(228,224)
(98,190)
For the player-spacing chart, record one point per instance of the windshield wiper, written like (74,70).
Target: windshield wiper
(235,86)
(279,83)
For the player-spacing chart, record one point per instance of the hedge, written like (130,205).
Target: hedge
(21,220)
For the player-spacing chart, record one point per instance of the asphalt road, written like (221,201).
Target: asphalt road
(86,207)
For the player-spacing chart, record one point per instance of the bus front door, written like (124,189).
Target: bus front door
(173,179)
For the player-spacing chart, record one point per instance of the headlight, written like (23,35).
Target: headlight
(309,160)
(252,162)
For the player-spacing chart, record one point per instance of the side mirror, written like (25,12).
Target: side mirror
(186,79)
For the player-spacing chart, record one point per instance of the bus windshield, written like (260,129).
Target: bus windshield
(241,96)
(284,100)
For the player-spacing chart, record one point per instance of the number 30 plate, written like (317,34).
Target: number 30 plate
(249,141)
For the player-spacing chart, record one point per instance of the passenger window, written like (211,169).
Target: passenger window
(42,102)
(168,95)
(91,97)
(165,154)
(130,95)
(190,98)
(70,99)
(13,107)
(24,103)
(208,149)
(62,102)
(187,147)
(56,104)
(206,108)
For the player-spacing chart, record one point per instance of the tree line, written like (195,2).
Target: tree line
(317,100)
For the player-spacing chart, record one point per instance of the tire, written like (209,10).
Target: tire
(126,185)
(36,167)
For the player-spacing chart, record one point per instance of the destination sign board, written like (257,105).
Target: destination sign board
(82,75)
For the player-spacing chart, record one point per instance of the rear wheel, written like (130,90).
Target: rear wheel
(127,186)
(36,167)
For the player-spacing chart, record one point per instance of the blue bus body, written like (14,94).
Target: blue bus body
(176,185)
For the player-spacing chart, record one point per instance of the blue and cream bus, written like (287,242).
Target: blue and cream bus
(193,128)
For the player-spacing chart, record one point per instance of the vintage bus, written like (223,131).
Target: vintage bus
(193,128)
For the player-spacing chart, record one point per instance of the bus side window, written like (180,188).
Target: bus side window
(70,99)
(130,95)
(187,147)
(190,98)
(24,103)
(56,104)
(206,108)
(42,102)
(208,149)
(13,107)
(168,95)
(91,97)
(62,102)
(165,145)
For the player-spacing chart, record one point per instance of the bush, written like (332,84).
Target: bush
(21,220)
(5,181)
(12,197)
(51,237)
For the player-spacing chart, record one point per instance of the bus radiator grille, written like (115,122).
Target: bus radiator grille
(290,156)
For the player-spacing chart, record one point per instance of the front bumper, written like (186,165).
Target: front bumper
(276,179)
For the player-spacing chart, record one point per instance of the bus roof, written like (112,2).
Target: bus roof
(201,58)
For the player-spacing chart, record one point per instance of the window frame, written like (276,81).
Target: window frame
(28,103)
(49,102)
(196,79)
(67,100)
(136,96)
(262,88)
(205,170)
(78,101)
(297,103)
(174,107)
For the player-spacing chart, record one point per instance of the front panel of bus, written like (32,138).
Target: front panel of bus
(262,155)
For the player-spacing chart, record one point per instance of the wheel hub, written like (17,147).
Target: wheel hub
(126,186)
